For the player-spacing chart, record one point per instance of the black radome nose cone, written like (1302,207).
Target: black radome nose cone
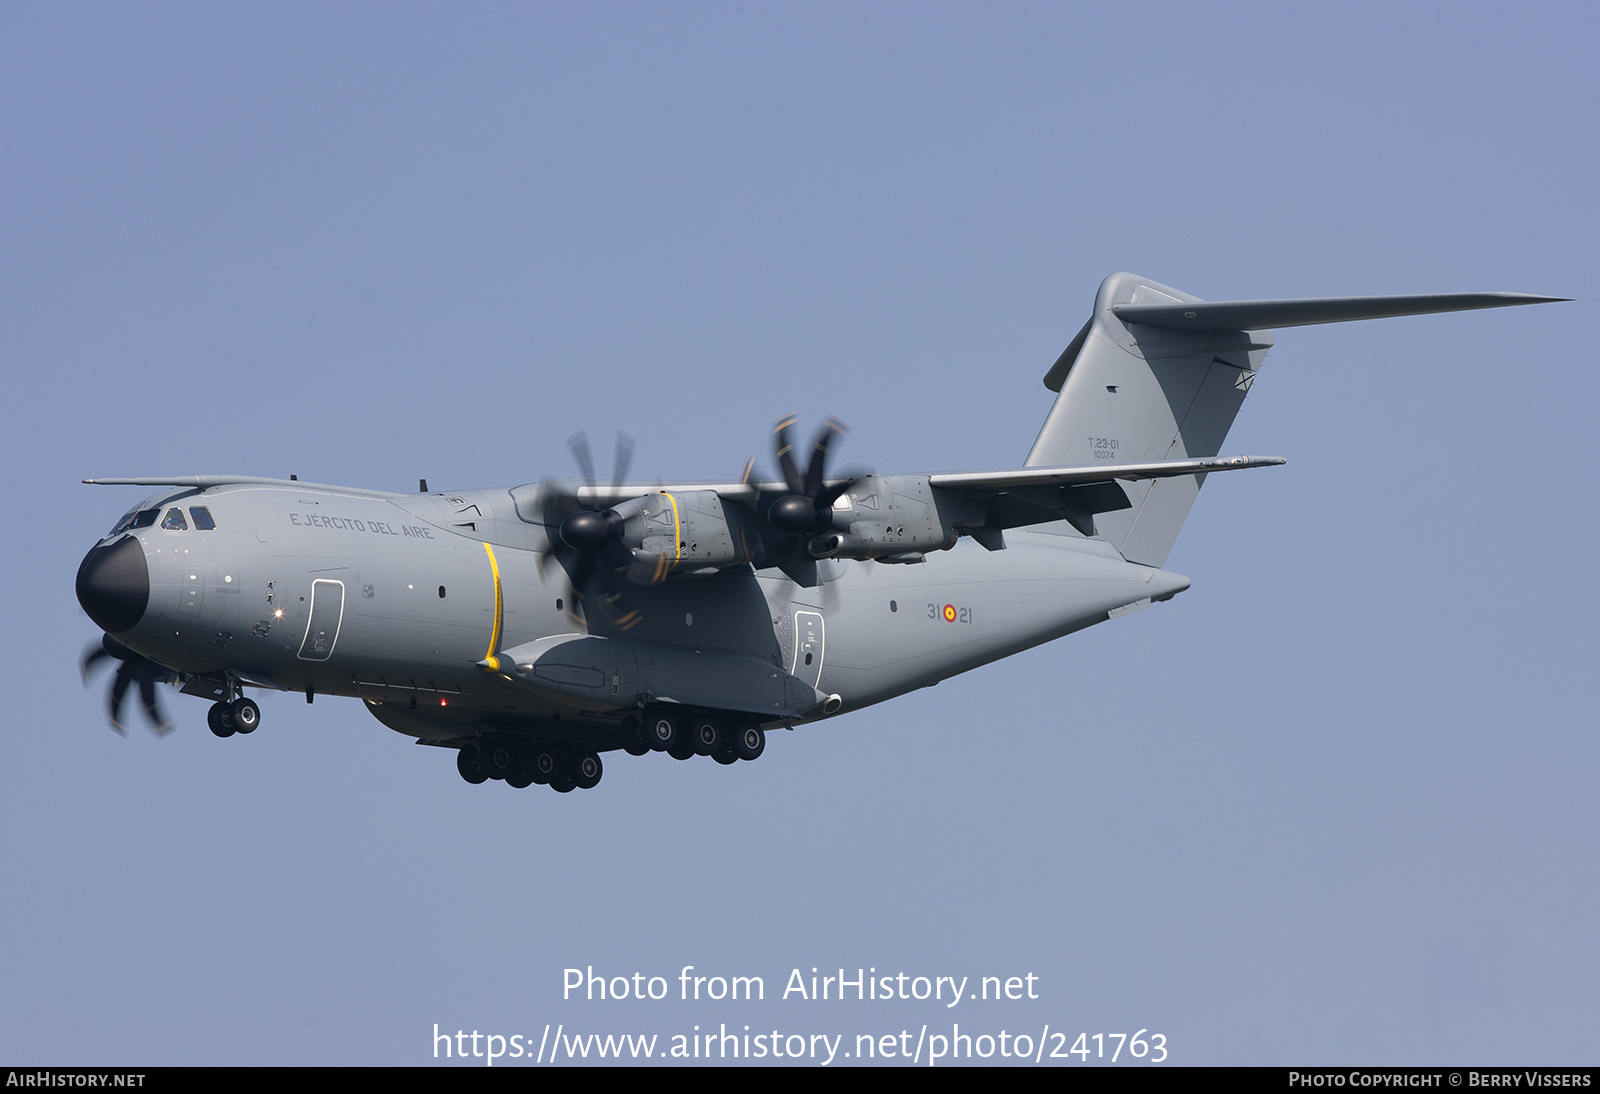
(114,585)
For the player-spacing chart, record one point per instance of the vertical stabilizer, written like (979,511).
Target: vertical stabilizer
(1134,393)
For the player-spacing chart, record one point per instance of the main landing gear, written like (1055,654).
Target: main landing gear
(563,770)
(240,716)
(683,734)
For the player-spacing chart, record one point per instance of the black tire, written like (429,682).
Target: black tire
(706,736)
(467,765)
(521,777)
(683,750)
(246,715)
(726,755)
(750,742)
(586,770)
(220,719)
(562,785)
(544,764)
(497,759)
(661,732)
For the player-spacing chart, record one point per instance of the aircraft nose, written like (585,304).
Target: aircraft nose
(114,585)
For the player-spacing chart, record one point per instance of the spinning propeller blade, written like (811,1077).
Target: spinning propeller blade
(586,542)
(134,668)
(806,510)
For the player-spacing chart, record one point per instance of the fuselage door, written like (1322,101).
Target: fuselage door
(807,647)
(327,612)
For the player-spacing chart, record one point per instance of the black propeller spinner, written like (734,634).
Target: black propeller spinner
(135,668)
(587,542)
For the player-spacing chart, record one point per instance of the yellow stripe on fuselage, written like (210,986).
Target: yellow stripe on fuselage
(493,662)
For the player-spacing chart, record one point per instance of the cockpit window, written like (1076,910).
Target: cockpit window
(202,518)
(174,522)
(144,518)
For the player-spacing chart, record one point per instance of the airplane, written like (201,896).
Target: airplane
(532,629)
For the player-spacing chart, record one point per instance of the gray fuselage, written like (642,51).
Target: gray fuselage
(398,600)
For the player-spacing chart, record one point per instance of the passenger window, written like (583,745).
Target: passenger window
(174,522)
(145,518)
(202,518)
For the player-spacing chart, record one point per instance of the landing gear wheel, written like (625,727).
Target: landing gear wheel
(707,736)
(682,750)
(467,765)
(246,715)
(522,776)
(562,785)
(498,760)
(750,742)
(220,719)
(586,770)
(545,765)
(726,754)
(661,732)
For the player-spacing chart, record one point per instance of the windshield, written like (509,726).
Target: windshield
(135,519)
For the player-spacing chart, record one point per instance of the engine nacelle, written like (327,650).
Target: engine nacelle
(885,516)
(680,531)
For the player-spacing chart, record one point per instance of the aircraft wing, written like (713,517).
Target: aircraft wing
(964,482)
(976,482)
(1021,496)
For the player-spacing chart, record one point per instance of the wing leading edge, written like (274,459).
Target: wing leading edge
(975,482)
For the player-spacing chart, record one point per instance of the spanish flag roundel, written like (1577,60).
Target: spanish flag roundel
(949,613)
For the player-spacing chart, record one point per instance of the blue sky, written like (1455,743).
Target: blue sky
(1333,804)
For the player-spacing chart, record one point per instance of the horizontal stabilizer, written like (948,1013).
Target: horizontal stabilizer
(977,481)
(1232,315)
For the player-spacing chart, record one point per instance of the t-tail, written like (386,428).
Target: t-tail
(1157,374)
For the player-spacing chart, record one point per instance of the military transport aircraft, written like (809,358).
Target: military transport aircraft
(533,628)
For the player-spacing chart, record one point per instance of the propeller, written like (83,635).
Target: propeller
(587,542)
(135,668)
(806,510)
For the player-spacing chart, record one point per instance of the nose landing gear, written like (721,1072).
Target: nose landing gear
(220,719)
(240,716)
(246,715)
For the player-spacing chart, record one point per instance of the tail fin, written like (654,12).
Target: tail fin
(1158,374)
